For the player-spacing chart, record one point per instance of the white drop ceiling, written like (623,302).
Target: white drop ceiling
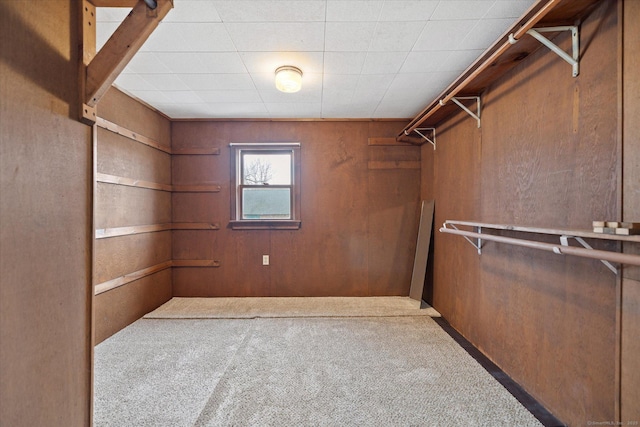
(360,59)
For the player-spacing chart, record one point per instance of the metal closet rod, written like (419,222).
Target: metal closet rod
(558,249)
(427,112)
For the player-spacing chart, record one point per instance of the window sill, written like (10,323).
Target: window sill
(265,224)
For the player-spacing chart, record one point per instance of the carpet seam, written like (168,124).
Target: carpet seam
(241,347)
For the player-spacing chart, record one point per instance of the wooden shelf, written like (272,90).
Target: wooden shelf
(553,231)
(562,248)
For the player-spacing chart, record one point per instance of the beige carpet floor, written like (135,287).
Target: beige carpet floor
(275,307)
(283,371)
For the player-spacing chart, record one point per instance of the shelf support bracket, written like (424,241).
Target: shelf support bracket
(420,131)
(456,100)
(564,241)
(478,246)
(573,59)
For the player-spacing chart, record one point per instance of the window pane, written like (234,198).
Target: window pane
(266,203)
(259,169)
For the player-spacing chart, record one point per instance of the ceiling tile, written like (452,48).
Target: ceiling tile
(372,87)
(348,36)
(217,96)
(134,82)
(193,11)
(353,11)
(343,62)
(363,110)
(485,33)
(383,62)
(403,11)
(423,62)
(396,36)
(182,62)
(456,10)
(508,9)
(146,63)
(443,35)
(182,97)
(150,96)
(459,60)
(222,62)
(191,37)
(271,11)
(274,37)
(295,110)
(237,110)
(218,81)
(165,81)
(266,62)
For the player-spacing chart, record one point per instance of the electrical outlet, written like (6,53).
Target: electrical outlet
(265,259)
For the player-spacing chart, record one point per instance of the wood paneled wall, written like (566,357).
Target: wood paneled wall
(359,224)
(630,304)
(547,155)
(119,206)
(45,220)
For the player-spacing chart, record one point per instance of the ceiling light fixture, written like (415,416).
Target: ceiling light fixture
(288,79)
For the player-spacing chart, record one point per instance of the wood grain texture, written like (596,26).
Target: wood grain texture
(45,217)
(132,211)
(130,277)
(119,206)
(119,256)
(630,298)
(118,308)
(545,320)
(333,248)
(118,155)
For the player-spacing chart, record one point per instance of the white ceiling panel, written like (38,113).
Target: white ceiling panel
(273,37)
(267,62)
(484,33)
(396,36)
(344,62)
(420,62)
(383,62)
(359,58)
(353,11)
(271,11)
(443,35)
(348,36)
(402,11)
(193,11)
(220,81)
(465,9)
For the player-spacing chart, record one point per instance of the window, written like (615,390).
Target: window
(266,186)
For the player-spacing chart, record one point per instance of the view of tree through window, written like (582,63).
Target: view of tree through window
(266,186)
(266,189)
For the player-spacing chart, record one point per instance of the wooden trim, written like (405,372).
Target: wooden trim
(386,141)
(113,3)
(195,226)
(104,233)
(195,263)
(265,224)
(195,151)
(114,56)
(393,164)
(122,131)
(208,188)
(128,278)
(130,182)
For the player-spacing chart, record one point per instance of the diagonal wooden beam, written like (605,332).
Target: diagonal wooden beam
(120,48)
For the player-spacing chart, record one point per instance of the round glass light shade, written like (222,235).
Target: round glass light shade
(288,79)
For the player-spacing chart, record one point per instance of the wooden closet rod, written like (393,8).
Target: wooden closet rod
(455,88)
